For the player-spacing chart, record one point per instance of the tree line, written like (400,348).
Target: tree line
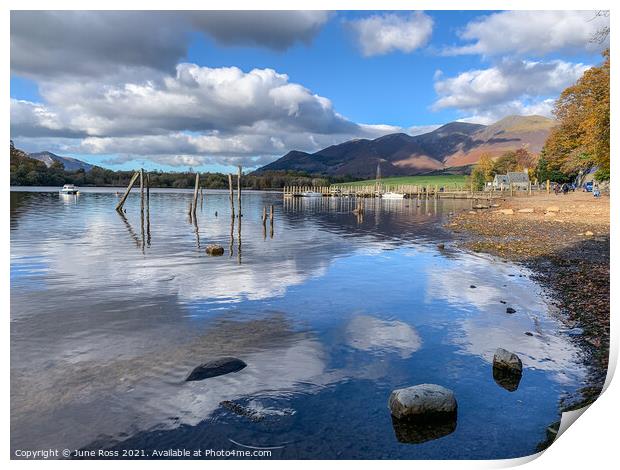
(579,143)
(27,171)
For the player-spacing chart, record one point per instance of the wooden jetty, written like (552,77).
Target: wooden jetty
(410,191)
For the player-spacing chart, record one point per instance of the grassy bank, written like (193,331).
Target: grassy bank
(439,180)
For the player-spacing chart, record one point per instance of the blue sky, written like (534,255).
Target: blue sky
(211,92)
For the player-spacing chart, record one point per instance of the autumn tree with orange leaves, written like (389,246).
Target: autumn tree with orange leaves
(581,140)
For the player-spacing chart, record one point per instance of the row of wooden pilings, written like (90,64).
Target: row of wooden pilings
(145,195)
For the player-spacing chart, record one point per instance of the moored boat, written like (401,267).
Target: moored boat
(391,195)
(69,189)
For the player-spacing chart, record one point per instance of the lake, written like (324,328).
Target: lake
(331,311)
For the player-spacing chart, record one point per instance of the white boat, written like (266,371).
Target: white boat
(69,189)
(391,195)
(311,194)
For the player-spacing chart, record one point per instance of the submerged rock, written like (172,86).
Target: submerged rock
(221,366)
(508,361)
(527,210)
(241,410)
(510,310)
(215,250)
(425,401)
(506,211)
(441,246)
(255,411)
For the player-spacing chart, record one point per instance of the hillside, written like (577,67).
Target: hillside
(69,163)
(452,145)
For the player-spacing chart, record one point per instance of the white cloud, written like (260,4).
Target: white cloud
(510,87)
(199,112)
(543,107)
(381,34)
(532,32)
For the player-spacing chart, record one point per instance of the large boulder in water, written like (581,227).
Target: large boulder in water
(507,361)
(425,401)
(221,366)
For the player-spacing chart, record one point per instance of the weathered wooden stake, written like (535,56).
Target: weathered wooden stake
(142,235)
(133,179)
(195,203)
(271,221)
(239,190)
(148,210)
(148,192)
(232,196)
(141,192)
(264,215)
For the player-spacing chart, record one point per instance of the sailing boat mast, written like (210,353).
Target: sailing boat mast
(378,178)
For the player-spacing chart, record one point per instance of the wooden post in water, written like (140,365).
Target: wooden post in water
(148,210)
(548,187)
(271,220)
(132,181)
(232,196)
(195,203)
(239,190)
(264,222)
(529,188)
(148,192)
(142,193)
(511,189)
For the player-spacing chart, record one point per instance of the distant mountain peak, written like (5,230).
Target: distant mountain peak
(454,144)
(69,163)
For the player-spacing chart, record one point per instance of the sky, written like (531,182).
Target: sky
(211,90)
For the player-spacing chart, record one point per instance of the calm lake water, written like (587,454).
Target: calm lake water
(330,312)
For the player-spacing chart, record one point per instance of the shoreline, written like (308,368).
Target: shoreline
(564,241)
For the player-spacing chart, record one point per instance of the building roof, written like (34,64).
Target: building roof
(501,178)
(518,177)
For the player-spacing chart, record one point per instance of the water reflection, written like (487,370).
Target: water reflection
(508,380)
(130,229)
(418,432)
(367,333)
(492,327)
(330,312)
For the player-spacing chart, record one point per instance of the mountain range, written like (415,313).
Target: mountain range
(456,144)
(70,164)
